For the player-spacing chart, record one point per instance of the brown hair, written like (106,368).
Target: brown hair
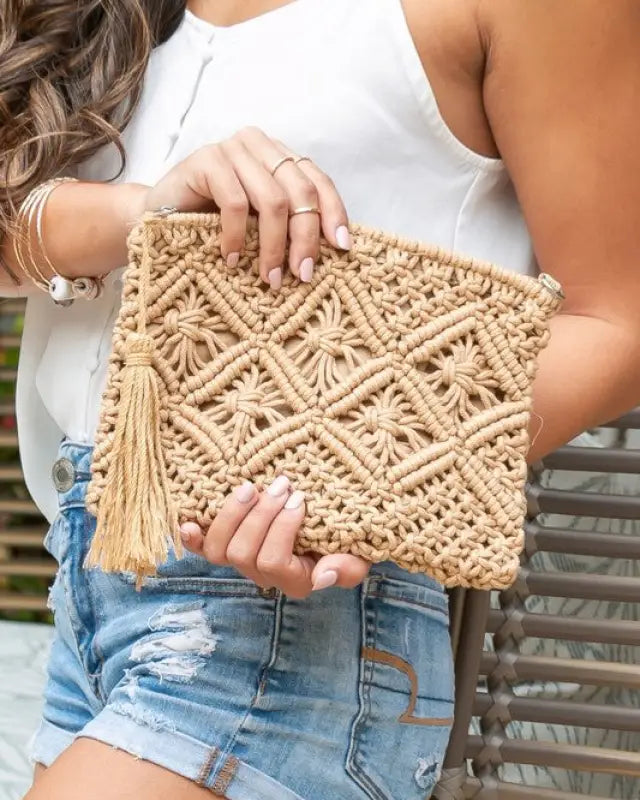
(70,77)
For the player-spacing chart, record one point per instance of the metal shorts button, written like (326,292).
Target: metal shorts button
(64,474)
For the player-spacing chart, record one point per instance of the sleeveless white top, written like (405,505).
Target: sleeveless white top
(337,80)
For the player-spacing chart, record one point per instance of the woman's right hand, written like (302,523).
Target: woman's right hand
(237,176)
(255,532)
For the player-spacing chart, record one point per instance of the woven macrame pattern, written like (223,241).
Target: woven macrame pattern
(394,390)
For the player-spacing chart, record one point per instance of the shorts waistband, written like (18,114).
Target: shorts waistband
(71,472)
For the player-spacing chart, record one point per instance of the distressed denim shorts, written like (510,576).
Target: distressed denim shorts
(347,695)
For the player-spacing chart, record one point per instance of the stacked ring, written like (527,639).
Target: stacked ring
(304,210)
(280,162)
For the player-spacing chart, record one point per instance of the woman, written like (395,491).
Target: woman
(496,129)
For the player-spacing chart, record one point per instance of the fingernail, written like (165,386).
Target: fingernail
(325,580)
(306,270)
(232,260)
(343,237)
(279,486)
(185,536)
(188,530)
(275,278)
(245,492)
(296,500)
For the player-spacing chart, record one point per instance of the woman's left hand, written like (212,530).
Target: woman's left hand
(255,533)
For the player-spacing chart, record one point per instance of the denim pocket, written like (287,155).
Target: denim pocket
(193,574)
(406,687)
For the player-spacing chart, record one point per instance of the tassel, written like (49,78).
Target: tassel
(136,521)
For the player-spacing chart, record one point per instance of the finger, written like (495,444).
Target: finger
(276,561)
(333,214)
(270,201)
(304,236)
(242,550)
(342,570)
(192,537)
(334,217)
(228,194)
(304,567)
(221,531)
(304,229)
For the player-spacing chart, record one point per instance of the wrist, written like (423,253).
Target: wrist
(87,225)
(130,203)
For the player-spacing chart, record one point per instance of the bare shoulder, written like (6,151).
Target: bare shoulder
(525,27)
(571,61)
(571,35)
(561,89)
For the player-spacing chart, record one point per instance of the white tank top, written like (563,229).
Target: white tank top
(337,80)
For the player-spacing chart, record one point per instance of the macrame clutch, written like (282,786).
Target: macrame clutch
(394,390)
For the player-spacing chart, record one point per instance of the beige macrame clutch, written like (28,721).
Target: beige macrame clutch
(394,390)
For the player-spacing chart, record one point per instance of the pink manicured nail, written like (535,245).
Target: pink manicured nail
(306,270)
(343,237)
(296,500)
(275,278)
(279,486)
(233,259)
(188,530)
(325,580)
(245,492)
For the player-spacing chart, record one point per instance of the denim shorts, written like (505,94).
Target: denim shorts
(347,694)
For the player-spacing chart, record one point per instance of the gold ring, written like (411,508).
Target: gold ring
(280,162)
(298,159)
(304,210)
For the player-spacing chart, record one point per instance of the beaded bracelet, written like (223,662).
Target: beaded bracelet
(63,291)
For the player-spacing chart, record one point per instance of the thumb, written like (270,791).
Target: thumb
(341,570)
(192,537)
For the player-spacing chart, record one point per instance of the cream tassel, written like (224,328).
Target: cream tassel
(136,521)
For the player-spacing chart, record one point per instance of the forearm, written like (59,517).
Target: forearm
(588,375)
(85,228)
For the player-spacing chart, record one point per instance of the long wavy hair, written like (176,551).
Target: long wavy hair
(70,78)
